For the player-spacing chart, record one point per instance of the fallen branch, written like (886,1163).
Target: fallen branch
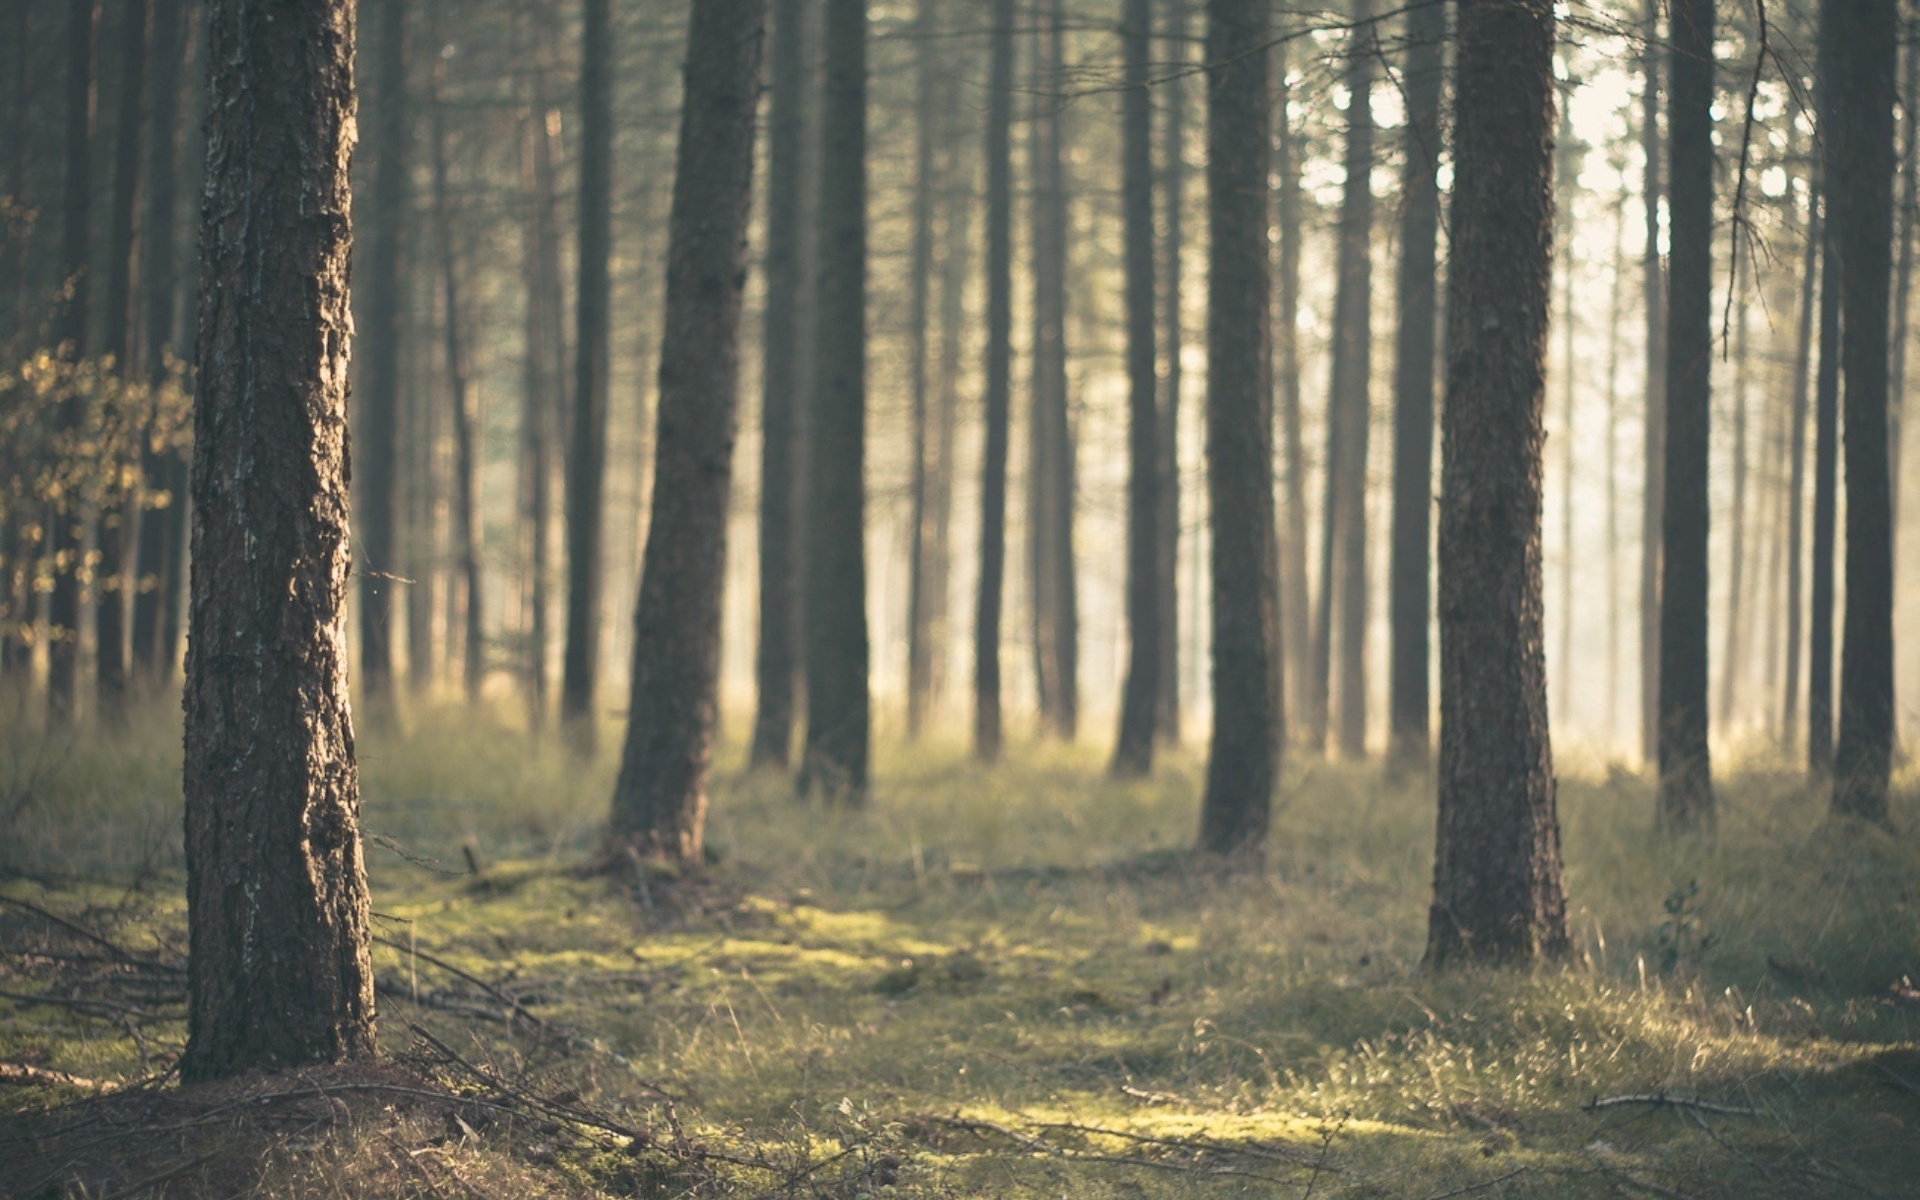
(26,1075)
(1666,1100)
(1041,1146)
(1482,1186)
(1298,1158)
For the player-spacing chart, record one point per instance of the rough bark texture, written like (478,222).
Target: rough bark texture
(1496,883)
(1686,779)
(1861,35)
(1243,762)
(376,515)
(1133,751)
(278,973)
(1654,481)
(1409,598)
(835,571)
(1174,186)
(587,450)
(781,390)
(999,371)
(68,334)
(660,799)
(161,529)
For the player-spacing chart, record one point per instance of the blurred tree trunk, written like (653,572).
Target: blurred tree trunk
(1686,772)
(377,398)
(999,368)
(1730,665)
(161,529)
(1411,567)
(782,389)
(466,431)
(277,909)
(1050,468)
(17,548)
(1139,707)
(1615,303)
(1343,581)
(1174,190)
(1567,166)
(587,457)
(919,285)
(421,552)
(1863,39)
(1826,438)
(69,336)
(835,568)
(1903,272)
(1654,481)
(1797,445)
(1497,883)
(545,398)
(660,800)
(1299,648)
(1243,763)
(955,260)
(113,530)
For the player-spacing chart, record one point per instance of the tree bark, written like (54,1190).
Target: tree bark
(1133,750)
(987,732)
(919,286)
(660,799)
(68,333)
(587,457)
(1497,882)
(1243,761)
(1686,774)
(1731,664)
(1174,186)
(1300,648)
(277,909)
(1903,273)
(1411,566)
(1826,439)
(1797,447)
(956,249)
(1653,502)
(1862,37)
(545,388)
(835,568)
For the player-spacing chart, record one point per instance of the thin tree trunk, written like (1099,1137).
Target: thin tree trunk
(277,908)
(919,285)
(1797,446)
(466,432)
(1614,307)
(1568,168)
(1174,189)
(546,393)
(587,457)
(955,256)
(1686,778)
(18,548)
(1133,751)
(1826,439)
(835,567)
(1903,275)
(1863,38)
(1300,647)
(1737,515)
(1653,493)
(160,527)
(987,733)
(1410,568)
(659,801)
(69,336)
(419,543)
(1497,880)
(1243,762)
(113,537)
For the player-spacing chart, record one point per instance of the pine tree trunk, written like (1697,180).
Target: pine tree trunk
(17,547)
(1797,449)
(1826,439)
(660,799)
(1737,514)
(587,449)
(835,568)
(1612,458)
(1301,647)
(954,266)
(153,655)
(1686,779)
(377,396)
(277,909)
(1903,274)
(418,546)
(1410,569)
(1243,762)
(1497,883)
(1174,189)
(1139,707)
(1862,38)
(68,334)
(545,397)
(987,733)
(1653,502)
(919,285)
(1568,168)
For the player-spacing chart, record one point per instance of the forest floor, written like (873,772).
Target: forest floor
(1009,982)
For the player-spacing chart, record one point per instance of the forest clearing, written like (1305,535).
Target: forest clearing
(1008,982)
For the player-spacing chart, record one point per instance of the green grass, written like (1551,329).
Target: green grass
(1031,946)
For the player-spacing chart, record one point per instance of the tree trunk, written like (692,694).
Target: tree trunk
(781,390)
(277,910)
(68,333)
(17,547)
(1497,892)
(1410,569)
(1797,446)
(1300,648)
(1174,190)
(919,285)
(377,396)
(835,567)
(113,537)
(1686,779)
(1862,38)
(587,457)
(1568,167)
(545,397)
(660,799)
(956,246)
(160,528)
(466,422)
(1653,502)
(1614,305)
(419,548)
(1826,439)
(1243,762)
(1737,514)
(1903,275)
(1139,707)
(999,369)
